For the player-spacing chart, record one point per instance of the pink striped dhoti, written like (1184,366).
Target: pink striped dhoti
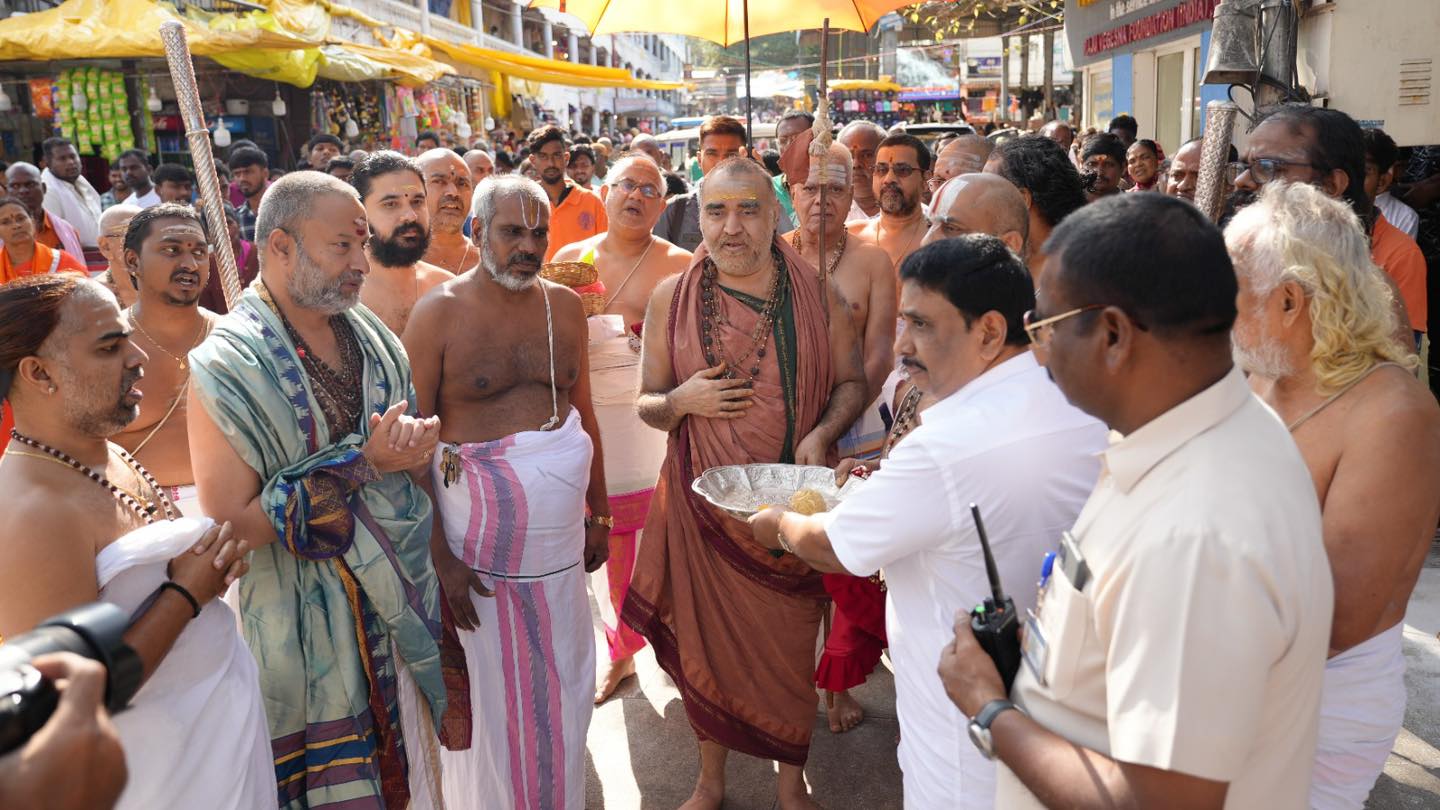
(516,516)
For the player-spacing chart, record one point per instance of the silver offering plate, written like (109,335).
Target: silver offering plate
(742,490)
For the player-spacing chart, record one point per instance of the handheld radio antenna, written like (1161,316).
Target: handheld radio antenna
(990,569)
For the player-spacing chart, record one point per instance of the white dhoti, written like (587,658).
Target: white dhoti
(195,734)
(516,516)
(1362,708)
(866,438)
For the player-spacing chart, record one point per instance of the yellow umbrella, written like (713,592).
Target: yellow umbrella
(725,22)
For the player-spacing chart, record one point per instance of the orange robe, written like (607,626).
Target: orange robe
(734,626)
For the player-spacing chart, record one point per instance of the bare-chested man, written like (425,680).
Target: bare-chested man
(84,522)
(448,187)
(981,203)
(862,138)
(500,356)
(167,255)
(1314,331)
(902,165)
(393,193)
(961,155)
(863,272)
(116,277)
(631,261)
(866,278)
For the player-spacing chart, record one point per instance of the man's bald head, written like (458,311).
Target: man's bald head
(436,157)
(116,217)
(862,132)
(963,154)
(1059,132)
(20,170)
(980,203)
(647,145)
(25,185)
(113,223)
(481,164)
(740,168)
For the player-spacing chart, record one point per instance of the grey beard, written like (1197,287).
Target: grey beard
(1267,360)
(310,289)
(514,282)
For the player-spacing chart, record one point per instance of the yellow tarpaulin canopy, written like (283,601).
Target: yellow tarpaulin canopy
(539,69)
(290,42)
(335,60)
(122,29)
(864,84)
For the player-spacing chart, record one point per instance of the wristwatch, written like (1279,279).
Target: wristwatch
(980,725)
(608,521)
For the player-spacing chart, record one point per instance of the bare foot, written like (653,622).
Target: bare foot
(800,801)
(618,671)
(705,797)
(843,711)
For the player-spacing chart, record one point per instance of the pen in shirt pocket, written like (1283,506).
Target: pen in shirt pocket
(1047,565)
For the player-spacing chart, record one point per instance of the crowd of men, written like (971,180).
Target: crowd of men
(354,510)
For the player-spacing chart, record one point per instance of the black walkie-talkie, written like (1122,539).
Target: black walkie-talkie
(996,626)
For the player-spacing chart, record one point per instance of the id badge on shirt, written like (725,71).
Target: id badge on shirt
(1035,649)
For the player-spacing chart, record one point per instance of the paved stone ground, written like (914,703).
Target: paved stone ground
(1412,774)
(642,755)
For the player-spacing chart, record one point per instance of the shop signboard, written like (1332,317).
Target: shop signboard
(982,67)
(1098,29)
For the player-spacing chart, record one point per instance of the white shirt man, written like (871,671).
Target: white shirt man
(1137,677)
(1010,443)
(77,203)
(149,198)
(1001,436)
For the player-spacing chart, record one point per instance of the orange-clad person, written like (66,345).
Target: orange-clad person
(576,212)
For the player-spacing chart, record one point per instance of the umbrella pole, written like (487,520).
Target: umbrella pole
(824,159)
(749,101)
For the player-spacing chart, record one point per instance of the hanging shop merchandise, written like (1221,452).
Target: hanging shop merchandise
(93,110)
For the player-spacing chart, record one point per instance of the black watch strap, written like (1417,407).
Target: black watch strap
(990,711)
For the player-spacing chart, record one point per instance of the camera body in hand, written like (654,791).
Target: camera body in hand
(95,631)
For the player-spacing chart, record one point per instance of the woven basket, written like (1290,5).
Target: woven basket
(594,303)
(570,274)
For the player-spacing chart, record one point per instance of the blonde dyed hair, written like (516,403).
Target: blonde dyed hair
(1295,232)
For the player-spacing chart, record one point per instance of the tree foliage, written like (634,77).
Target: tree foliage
(957,18)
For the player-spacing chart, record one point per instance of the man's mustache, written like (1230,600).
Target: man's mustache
(523,258)
(910,362)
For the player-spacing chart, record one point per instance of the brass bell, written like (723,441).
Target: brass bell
(1234,56)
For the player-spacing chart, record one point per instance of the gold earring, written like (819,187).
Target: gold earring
(52,388)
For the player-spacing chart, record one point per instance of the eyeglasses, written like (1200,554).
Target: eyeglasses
(1041,331)
(647,190)
(900,170)
(1262,170)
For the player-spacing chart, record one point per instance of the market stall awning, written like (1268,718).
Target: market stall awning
(540,69)
(123,29)
(864,84)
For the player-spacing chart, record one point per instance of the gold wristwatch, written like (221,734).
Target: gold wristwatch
(608,521)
